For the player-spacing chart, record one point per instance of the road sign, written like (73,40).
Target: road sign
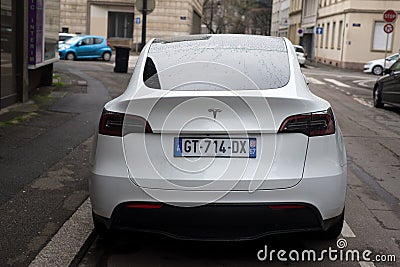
(389,16)
(388,28)
(151,5)
(300,32)
(319,30)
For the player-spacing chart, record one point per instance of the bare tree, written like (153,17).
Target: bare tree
(237,16)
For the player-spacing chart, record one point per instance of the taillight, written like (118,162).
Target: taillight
(108,43)
(112,123)
(310,124)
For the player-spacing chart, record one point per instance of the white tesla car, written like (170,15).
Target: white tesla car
(218,137)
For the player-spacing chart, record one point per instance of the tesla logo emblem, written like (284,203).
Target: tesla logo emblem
(214,112)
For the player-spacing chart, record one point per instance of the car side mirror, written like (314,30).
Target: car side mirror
(387,71)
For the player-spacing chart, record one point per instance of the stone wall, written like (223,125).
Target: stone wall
(170,17)
(73,15)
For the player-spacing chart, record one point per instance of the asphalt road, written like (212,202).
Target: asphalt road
(38,202)
(372,138)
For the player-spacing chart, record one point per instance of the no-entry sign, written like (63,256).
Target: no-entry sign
(389,16)
(388,28)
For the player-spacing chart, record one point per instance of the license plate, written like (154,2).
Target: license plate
(215,147)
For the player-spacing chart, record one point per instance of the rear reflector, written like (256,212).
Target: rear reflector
(113,123)
(286,207)
(144,206)
(310,124)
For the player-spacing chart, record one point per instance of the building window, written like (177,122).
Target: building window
(322,36)
(333,35)
(379,39)
(327,36)
(339,43)
(120,25)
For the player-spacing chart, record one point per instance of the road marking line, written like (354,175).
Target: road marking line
(337,83)
(363,102)
(363,83)
(366,264)
(314,81)
(346,230)
(68,240)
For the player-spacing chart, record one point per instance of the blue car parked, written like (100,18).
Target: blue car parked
(87,46)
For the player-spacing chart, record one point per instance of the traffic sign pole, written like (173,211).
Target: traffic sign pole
(384,61)
(389,16)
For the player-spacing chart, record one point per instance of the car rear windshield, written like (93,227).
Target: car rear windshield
(216,66)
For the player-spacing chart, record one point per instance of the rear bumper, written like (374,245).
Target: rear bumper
(218,221)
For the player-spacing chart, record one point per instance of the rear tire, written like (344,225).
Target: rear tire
(377,97)
(334,231)
(70,56)
(106,56)
(377,70)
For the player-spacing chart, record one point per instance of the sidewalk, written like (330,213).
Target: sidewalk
(44,155)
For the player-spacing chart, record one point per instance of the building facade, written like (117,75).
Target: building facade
(353,32)
(308,23)
(280,18)
(295,16)
(121,23)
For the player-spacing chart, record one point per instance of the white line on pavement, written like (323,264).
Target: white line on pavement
(336,82)
(363,102)
(315,81)
(363,83)
(346,230)
(366,264)
(63,247)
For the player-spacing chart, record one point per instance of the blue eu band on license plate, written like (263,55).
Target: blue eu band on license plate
(215,147)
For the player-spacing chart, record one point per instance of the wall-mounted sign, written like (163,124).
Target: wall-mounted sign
(35,31)
(183,17)
(356,24)
(285,22)
(300,32)
(137,20)
(319,30)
